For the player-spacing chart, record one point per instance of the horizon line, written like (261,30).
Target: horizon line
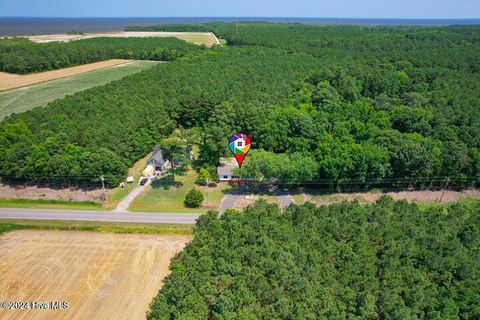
(232,17)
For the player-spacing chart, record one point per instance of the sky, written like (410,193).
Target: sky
(243,8)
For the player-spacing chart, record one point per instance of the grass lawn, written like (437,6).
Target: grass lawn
(269,198)
(298,198)
(166,195)
(50,204)
(39,95)
(118,193)
(320,198)
(95,226)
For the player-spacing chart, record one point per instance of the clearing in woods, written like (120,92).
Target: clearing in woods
(167,195)
(199,38)
(10,81)
(39,95)
(102,276)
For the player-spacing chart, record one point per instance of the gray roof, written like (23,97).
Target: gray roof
(157,156)
(226,170)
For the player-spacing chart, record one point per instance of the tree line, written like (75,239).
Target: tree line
(19,55)
(389,260)
(172,27)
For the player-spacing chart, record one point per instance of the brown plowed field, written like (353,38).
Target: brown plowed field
(10,81)
(102,276)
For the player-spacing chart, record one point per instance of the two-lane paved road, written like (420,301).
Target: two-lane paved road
(106,216)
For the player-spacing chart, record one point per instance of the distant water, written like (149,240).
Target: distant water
(31,26)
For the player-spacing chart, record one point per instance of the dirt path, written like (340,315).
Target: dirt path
(239,199)
(10,81)
(215,37)
(425,196)
(102,276)
(229,200)
(284,200)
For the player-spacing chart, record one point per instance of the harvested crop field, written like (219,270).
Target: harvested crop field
(101,276)
(10,81)
(206,38)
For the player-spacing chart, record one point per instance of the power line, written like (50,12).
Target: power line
(47,177)
(316,181)
(371,181)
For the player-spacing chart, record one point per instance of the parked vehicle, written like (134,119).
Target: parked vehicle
(143,181)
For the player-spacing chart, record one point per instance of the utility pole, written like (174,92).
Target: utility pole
(237,23)
(444,189)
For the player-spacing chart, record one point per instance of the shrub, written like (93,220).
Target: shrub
(213,174)
(193,199)
(203,177)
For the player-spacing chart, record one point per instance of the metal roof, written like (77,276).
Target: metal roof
(157,156)
(226,170)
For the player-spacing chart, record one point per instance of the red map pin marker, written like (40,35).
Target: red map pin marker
(239,145)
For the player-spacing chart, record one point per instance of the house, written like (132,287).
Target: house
(226,172)
(156,163)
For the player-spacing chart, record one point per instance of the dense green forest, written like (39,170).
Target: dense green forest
(454,47)
(103,130)
(352,106)
(396,105)
(19,55)
(390,260)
